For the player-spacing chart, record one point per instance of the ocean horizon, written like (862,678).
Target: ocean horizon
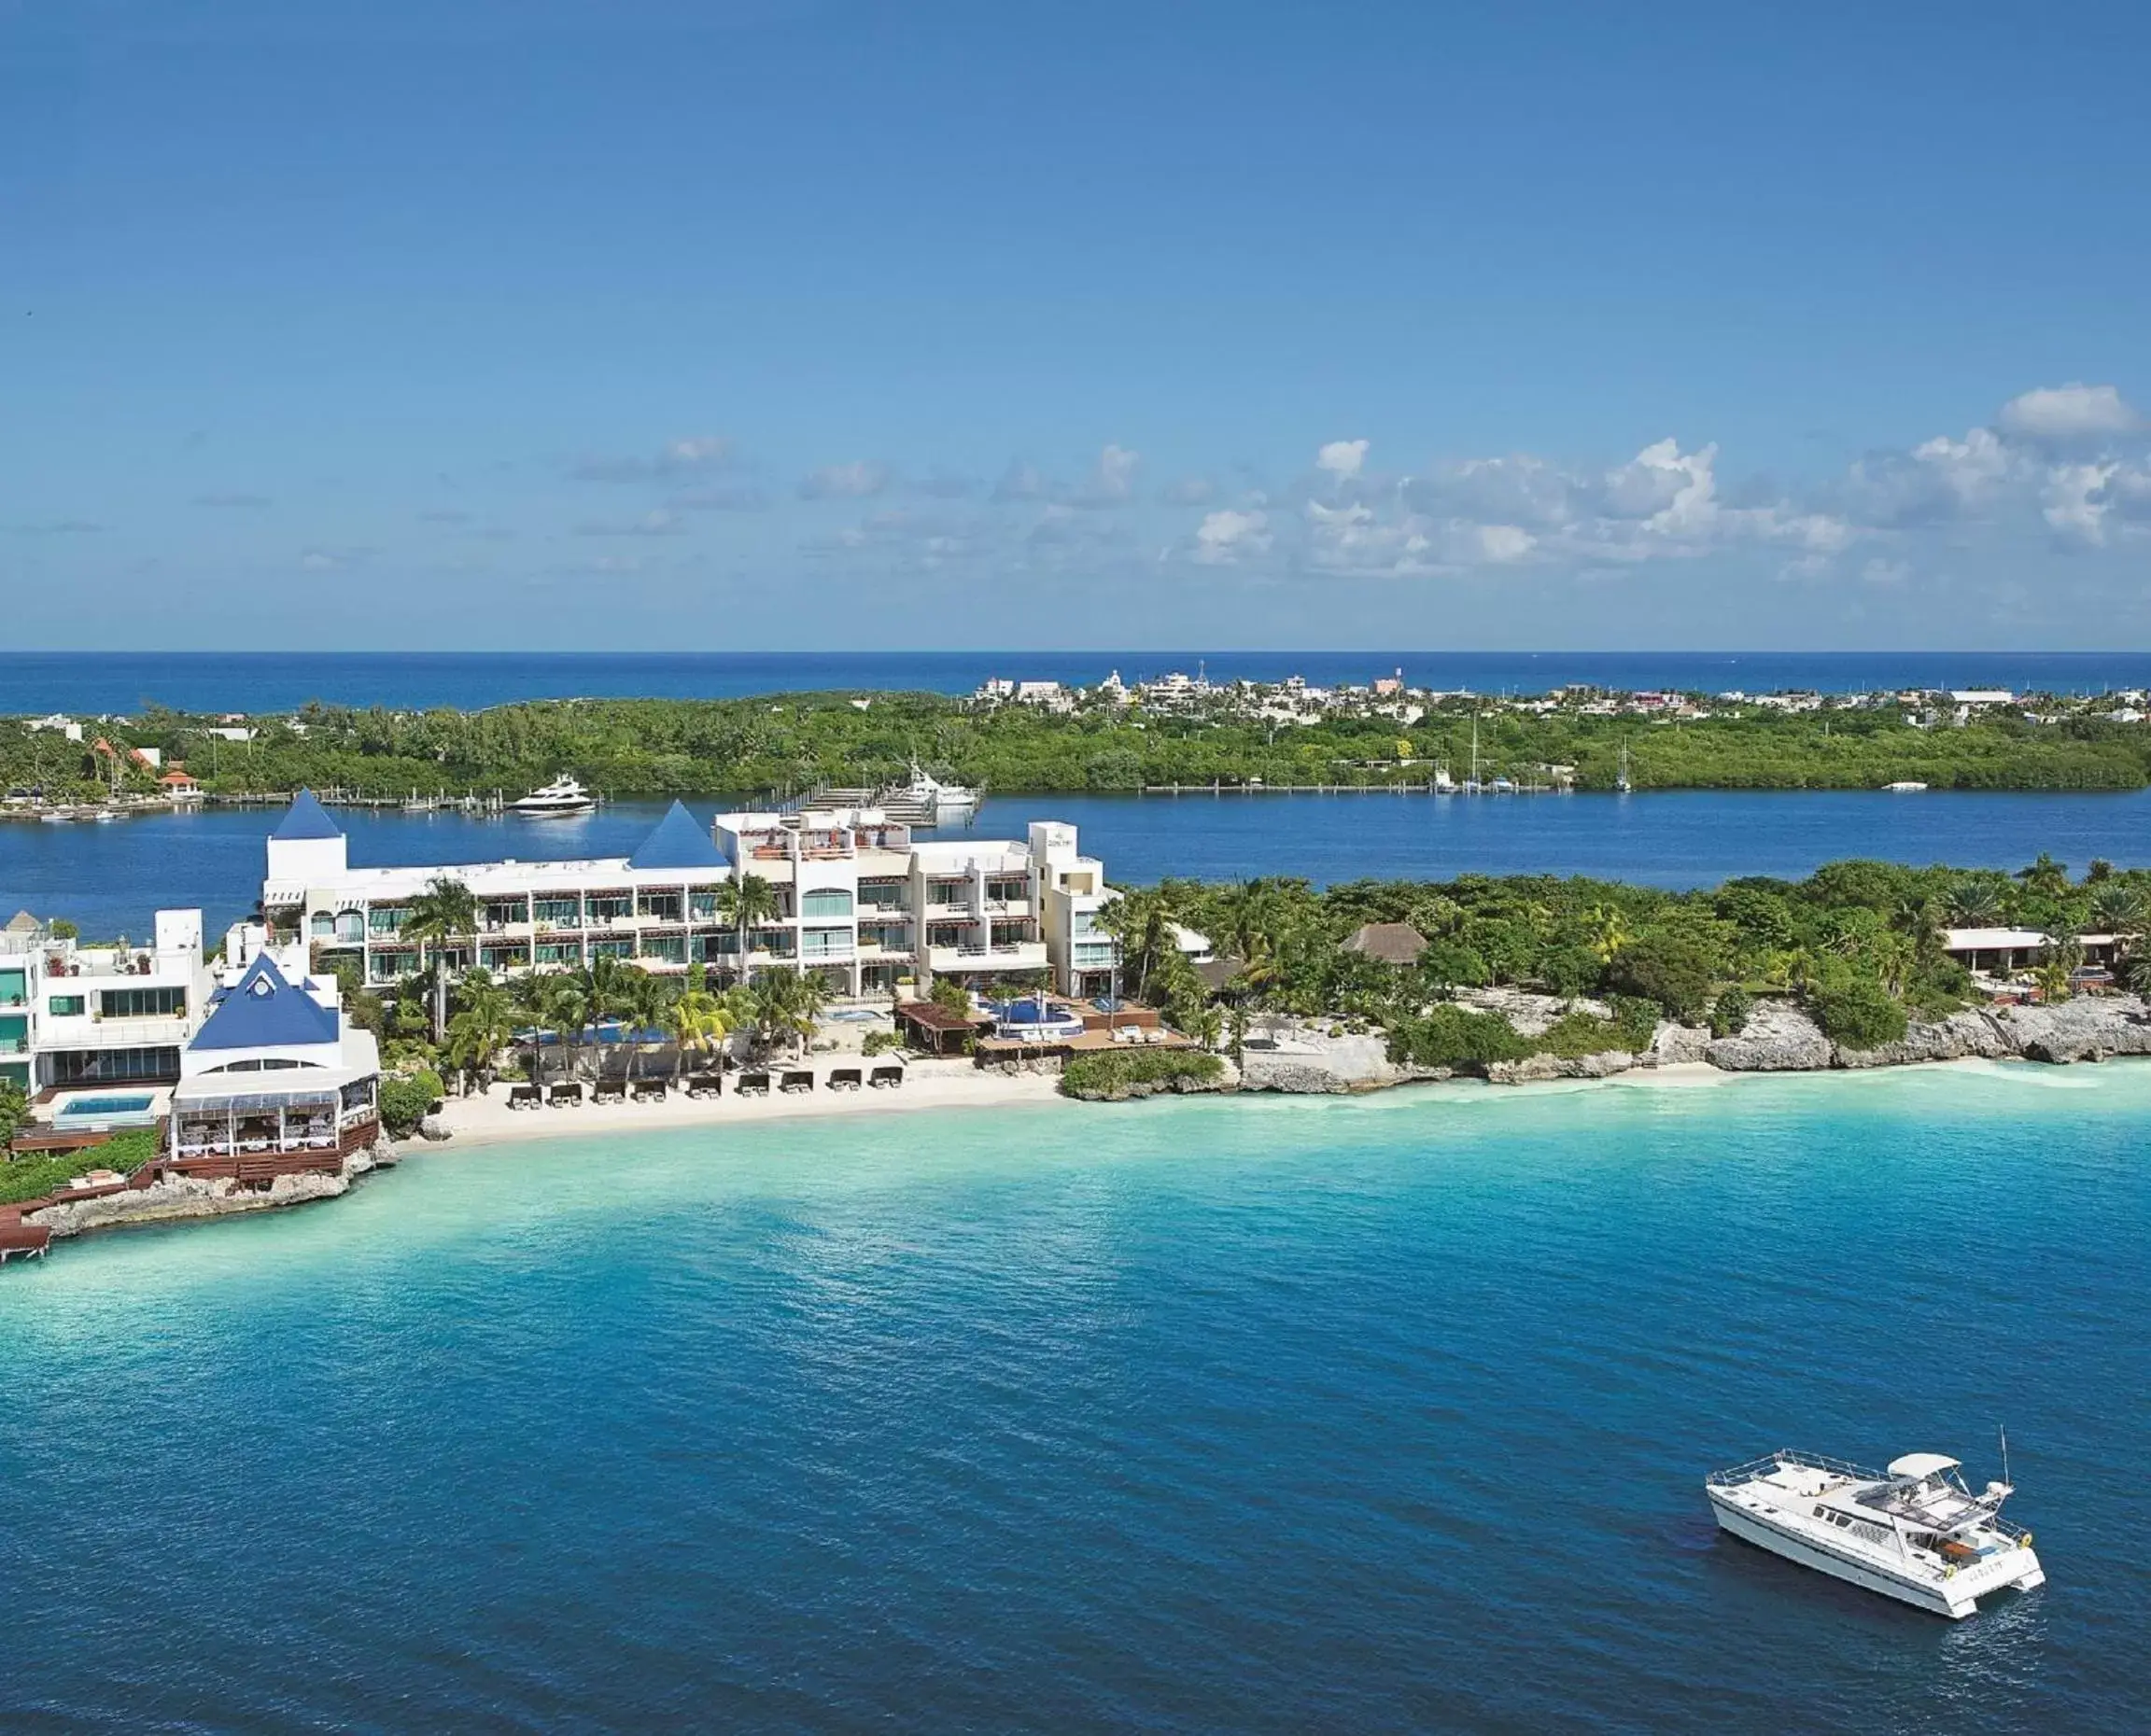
(1384,1414)
(33,682)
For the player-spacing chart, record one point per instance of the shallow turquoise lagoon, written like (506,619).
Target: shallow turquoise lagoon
(1269,1415)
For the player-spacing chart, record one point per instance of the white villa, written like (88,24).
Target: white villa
(76,1015)
(857,898)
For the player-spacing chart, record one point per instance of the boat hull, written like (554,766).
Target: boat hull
(1954,1598)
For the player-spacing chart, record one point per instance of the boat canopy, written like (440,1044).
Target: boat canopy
(1918,1464)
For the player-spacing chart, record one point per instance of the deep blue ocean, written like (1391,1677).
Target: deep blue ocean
(35,682)
(1377,1415)
(109,879)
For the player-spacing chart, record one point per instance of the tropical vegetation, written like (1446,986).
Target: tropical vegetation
(792,742)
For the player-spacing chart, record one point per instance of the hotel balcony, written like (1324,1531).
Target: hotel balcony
(1023,955)
(114,1033)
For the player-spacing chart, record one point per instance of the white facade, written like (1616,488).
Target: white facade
(855,898)
(72,1014)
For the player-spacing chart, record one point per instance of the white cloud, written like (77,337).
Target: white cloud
(1112,478)
(2076,502)
(1226,535)
(858,480)
(693,456)
(2074,411)
(1188,491)
(658,523)
(1342,458)
(1021,481)
(1504,544)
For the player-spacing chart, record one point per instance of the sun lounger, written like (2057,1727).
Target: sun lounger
(647,1091)
(705,1084)
(523,1096)
(844,1079)
(566,1096)
(890,1076)
(797,1079)
(752,1084)
(608,1091)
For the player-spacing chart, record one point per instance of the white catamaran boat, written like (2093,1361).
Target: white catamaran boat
(1915,1532)
(559,800)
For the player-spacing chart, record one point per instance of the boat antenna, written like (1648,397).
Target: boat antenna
(2004,1428)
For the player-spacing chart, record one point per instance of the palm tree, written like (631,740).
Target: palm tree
(699,1021)
(2046,877)
(445,909)
(746,901)
(483,1026)
(2117,909)
(787,1003)
(650,1001)
(607,988)
(1975,904)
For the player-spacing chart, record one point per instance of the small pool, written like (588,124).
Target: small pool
(855,1015)
(135,1105)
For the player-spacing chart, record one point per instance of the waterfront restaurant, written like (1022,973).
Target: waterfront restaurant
(275,1072)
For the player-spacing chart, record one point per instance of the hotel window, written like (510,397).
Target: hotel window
(350,926)
(386,919)
(323,925)
(1007,891)
(826,943)
(14,988)
(881,894)
(666,949)
(613,949)
(948,891)
(701,906)
(824,902)
(559,952)
(662,906)
(67,1006)
(560,911)
(948,934)
(141,1002)
(604,906)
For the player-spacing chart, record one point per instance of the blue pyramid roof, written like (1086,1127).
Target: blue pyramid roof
(263,1011)
(306,818)
(678,842)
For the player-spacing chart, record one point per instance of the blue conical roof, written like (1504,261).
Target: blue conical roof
(306,818)
(678,842)
(263,1011)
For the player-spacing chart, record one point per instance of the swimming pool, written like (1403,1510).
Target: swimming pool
(134,1106)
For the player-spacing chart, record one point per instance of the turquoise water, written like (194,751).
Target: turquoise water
(1376,1415)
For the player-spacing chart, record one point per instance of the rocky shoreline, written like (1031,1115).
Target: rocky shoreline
(183,1199)
(1311,1059)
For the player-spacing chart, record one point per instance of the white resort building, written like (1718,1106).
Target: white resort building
(82,1016)
(854,895)
(276,1071)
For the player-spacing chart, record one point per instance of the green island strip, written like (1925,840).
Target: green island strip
(1226,737)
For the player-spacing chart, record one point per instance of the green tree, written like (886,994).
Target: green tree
(746,901)
(14,1112)
(482,1026)
(446,910)
(1677,972)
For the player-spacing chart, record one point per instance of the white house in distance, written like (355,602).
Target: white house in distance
(857,898)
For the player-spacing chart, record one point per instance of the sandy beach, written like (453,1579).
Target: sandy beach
(487,1120)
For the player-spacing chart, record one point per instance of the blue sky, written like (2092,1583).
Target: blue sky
(638,324)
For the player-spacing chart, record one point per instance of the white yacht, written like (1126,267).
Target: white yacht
(941,803)
(559,800)
(1915,1532)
